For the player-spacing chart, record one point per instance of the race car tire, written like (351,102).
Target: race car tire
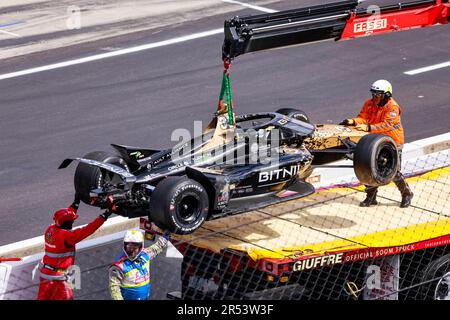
(375,160)
(89,177)
(179,205)
(295,114)
(437,289)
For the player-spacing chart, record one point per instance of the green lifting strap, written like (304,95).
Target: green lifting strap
(226,89)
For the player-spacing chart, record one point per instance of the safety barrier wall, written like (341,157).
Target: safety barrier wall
(20,281)
(95,254)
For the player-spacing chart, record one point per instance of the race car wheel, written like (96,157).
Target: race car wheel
(179,205)
(438,275)
(88,177)
(375,160)
(295,114)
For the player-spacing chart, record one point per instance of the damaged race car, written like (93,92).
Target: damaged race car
(239,163)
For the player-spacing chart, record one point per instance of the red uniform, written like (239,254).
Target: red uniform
(59,256)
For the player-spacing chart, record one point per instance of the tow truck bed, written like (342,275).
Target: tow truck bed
(330,222)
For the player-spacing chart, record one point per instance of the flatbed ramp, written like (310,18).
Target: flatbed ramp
(331,221)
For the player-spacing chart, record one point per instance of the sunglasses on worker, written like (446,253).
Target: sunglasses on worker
(377,94)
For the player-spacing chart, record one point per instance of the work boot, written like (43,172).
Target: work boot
(371,197)
(406,192)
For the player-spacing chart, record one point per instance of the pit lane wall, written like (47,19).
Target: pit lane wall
(18,280)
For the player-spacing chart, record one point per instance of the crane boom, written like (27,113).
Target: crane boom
(339,21)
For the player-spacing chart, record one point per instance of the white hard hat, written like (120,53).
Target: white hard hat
(134,235)
(382,86)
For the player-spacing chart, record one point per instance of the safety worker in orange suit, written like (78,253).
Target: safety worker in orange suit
(60,241)
(129,275)
(381,114)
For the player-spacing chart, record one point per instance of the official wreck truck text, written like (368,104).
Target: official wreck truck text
(226,310)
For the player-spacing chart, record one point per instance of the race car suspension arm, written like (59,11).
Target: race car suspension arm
(331,166)
(348,143)
(330,151)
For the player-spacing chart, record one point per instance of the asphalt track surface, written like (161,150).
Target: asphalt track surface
(140,98)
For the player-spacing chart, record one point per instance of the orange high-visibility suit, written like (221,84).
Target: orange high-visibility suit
(384,120)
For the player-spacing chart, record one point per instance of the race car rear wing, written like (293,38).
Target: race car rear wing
(338,21)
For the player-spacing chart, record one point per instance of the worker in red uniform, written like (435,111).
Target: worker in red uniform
(60,241)
(381,114)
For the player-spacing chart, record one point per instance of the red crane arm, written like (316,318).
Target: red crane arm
(397,19)
(339,21)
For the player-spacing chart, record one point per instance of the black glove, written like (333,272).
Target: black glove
(108,212)
(75,204)
(111,209)
(347,122)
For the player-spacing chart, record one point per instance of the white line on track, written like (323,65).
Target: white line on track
(111,54)
(128,50)
(267,10)
(11,33)
(429,68)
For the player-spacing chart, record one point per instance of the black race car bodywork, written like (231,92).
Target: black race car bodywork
(245,162)
(258,160)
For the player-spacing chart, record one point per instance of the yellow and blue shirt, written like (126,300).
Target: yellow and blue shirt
(130,280)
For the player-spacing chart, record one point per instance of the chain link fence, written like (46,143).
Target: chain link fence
(89,279)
